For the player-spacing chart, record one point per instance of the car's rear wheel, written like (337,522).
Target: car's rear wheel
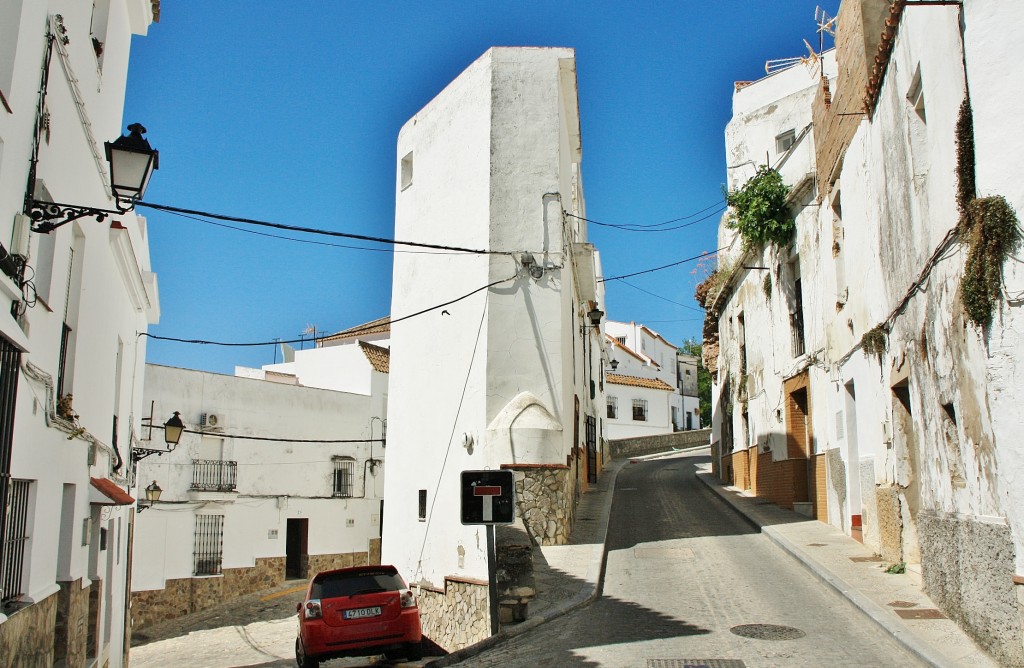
(301,659)
(414,651)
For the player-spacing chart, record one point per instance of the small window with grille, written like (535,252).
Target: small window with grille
(14,541)
(640,410)
(209,545)
(613,407)
(344,471)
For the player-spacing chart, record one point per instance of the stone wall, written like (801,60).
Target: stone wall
(27,635)
(890,523)
(545,500)
(71,624)
(182,596)
(968,568)
(645,445)
(457,617)
(330,562)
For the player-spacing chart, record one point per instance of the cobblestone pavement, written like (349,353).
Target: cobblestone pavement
(686,576)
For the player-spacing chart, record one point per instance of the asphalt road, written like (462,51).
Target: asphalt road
(685,577)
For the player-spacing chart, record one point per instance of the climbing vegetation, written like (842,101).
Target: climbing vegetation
(992,233)
(759,210)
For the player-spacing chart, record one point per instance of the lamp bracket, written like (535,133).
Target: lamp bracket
(138,454)
(48,216)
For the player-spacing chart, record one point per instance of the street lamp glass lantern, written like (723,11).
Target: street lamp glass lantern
(173,429)
(595,314)
(132,162)
(153,492)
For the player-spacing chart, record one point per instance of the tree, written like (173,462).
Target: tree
(693,347)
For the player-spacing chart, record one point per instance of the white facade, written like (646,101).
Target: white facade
(250,465)
(637,353)
(492,163)
(909,409)
(85,293)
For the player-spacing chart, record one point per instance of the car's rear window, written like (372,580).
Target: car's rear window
(350,584)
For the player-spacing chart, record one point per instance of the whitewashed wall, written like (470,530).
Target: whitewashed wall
(114,290)
(275,480)
(494,160)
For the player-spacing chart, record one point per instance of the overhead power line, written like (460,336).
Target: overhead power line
(313,230)
(664,266)
(637,227)
(637,287)
(285,440)
(348,332)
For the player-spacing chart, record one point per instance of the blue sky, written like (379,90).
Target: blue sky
(289,112)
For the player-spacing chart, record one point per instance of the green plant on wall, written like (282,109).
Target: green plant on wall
(992,234)
(759,211)
(767,287)
(873,342)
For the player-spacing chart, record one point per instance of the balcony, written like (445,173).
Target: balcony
(213,480)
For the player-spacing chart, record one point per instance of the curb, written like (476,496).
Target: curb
(587,594)
(894,627)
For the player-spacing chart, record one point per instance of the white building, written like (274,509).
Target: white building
(505,370)
(855,379)
(73,302)
(647,390)
(279,475)
(270,481)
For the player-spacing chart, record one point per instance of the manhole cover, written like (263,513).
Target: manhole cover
(902,604)
(695,663)
(767,632)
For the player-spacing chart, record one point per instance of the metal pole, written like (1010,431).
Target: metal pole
(492,579)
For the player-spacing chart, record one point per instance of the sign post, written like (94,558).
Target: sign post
(488,498)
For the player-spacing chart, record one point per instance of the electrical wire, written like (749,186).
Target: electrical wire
(313,230)
(348,332)
(283,440)
(637,227)
(310,241)
(664,266)
(648,292)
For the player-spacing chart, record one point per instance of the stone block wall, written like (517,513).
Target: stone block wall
(182,596)
(457,617)
(27,636)
(330,562)
(646,445)
(890,523)
(545,500)
(967,567)
(71,624)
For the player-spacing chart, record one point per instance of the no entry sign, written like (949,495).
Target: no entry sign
(488,497)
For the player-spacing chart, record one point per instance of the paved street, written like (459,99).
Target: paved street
(685,575)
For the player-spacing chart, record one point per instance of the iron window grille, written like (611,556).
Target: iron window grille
(344,473)
(214,475)
(613,407)
(640,410)
(209,545)
(12,563)
(10,363)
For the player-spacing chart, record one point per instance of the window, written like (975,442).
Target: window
(785,141)
(344,472)
(423,505)
(406,170)
(640,410)
(98,27)
(613,408)
(15,539)
(10,535)
(209,545)
(621,340)
(915,95)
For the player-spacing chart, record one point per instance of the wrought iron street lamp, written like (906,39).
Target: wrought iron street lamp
(173,429)
(153,493)
(132,162)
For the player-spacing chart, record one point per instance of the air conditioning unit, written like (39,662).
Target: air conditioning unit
(211,420)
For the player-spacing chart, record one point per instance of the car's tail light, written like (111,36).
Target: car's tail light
(312,609)
(408,599)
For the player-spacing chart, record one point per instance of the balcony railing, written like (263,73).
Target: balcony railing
(214,475)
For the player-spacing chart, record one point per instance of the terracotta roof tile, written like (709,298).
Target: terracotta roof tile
(380,357)
(109,489)
(377,326)
(634,381)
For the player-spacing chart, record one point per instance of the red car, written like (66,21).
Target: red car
(358,611)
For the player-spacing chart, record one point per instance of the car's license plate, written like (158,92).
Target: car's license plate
(359,613)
